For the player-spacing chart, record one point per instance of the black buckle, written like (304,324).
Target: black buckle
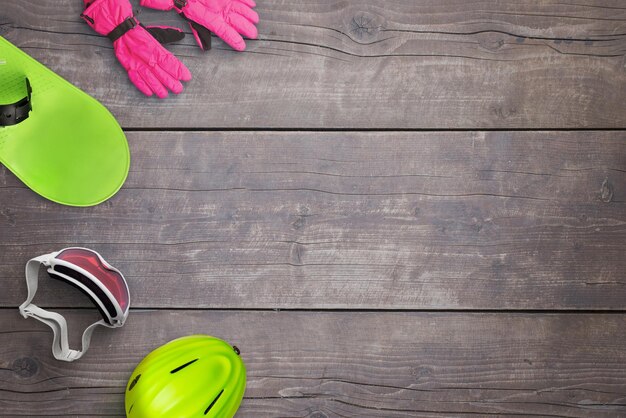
(180,3)
(122,28)
(14,113)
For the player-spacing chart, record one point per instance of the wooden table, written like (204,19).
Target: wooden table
(394,209)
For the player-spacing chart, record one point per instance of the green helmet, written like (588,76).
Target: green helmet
(195,376)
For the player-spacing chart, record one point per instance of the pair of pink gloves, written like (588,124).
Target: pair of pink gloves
(152,68)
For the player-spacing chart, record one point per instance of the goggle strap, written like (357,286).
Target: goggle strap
(60,346)
(32,279)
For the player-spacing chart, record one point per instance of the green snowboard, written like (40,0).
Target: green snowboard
(68,147)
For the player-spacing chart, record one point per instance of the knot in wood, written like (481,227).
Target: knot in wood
(504,111)
(25,367)
(9,215)
(422,372)
(606,191)
(304,210)
(491,41)
(364,27)
(6,23)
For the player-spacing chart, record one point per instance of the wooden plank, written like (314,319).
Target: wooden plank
(465,220)
(343,364)
(365,64)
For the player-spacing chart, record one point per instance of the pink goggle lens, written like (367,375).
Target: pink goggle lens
(89,261)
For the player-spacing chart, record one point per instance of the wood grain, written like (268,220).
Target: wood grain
(365,65)
(312,364)
(237,207)
(465,220)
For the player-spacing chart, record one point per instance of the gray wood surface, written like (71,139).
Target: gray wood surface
(468,220)
(313,198)
(313,364)
(365,65)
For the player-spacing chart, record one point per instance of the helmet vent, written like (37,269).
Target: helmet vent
(179,368)
(133,383)
(206,411)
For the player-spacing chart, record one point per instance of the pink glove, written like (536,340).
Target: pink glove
(151,68)
(228,19)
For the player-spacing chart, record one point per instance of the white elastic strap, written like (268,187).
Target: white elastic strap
(32,279)
(60,346)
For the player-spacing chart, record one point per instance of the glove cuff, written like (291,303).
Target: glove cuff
(161,4)
(106,16)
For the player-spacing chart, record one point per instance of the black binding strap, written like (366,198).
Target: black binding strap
(14,113)
(122,28)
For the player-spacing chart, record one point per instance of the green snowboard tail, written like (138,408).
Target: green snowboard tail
(68,147)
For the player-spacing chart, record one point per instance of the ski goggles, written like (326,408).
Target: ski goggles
(86,270)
